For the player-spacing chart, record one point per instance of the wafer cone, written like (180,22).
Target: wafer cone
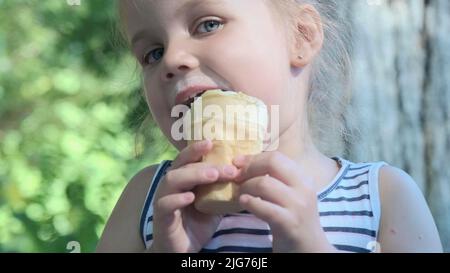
(234,133)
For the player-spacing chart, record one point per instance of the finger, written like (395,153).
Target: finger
(226,172)
(274,164)
(271,213)
(192,153)
(167,205)
(185,179)
(269,189)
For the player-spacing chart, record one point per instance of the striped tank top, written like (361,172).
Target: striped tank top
(349,209)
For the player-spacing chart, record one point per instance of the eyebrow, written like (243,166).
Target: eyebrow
(194,3)
(139,35)
(187,5)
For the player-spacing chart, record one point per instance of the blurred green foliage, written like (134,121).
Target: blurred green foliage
(70,107)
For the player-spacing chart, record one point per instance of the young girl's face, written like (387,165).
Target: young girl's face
(211,44)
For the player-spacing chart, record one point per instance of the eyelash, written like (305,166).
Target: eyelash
(145,60)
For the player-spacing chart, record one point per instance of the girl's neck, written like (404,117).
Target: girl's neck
(296,143)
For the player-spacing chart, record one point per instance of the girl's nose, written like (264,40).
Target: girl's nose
(170,75)
(178,63)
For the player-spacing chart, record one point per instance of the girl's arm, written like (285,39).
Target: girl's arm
(406,221)
(121,233)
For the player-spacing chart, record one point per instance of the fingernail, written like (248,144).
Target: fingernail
(238,177)
(203,144)
(240,159)
(189,197)
(211,173)
(229,170)
(244,198)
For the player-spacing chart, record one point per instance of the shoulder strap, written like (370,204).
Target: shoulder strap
(160,172)
(374,192)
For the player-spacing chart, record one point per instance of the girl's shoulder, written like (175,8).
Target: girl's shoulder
(395,181)
(389,178)
(135,191)
(407,224)
(120,233)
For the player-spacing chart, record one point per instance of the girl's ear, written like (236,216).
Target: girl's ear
(308,36)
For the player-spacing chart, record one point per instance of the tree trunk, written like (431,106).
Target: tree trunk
(401,63)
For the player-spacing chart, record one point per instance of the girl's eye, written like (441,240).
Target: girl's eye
(209,26)
(153,55)
(205,27)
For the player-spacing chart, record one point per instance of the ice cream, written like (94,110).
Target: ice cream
(236,124)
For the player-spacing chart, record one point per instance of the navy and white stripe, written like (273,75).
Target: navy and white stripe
(349,210)
(146,223)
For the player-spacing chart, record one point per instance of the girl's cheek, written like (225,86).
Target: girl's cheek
(249,71)
(158,106)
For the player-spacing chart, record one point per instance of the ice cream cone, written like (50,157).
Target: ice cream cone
(238,131)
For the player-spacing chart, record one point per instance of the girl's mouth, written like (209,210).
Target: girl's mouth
(192,99)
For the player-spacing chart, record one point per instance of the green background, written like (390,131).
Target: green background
(70,109)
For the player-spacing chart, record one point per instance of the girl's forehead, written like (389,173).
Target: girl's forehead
(176,8)
(161,13)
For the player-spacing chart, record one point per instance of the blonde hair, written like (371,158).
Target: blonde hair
(331,121)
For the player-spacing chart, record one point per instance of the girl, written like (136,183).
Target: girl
(296,199)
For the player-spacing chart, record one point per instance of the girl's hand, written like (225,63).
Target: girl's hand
(177,225)
(275,189)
